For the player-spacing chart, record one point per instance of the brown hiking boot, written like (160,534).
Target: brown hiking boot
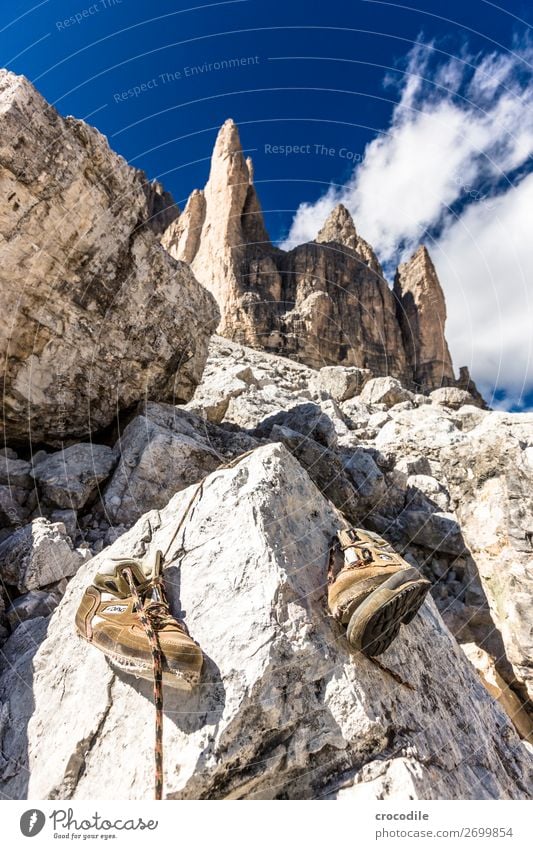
(110,618)
(372,590)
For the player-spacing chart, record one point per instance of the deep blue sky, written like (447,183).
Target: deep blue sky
(82,67)
(168,129)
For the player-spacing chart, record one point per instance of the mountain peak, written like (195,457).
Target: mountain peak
(339,227)
(228,139)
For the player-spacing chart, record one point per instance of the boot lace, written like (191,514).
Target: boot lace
(160,615)
(150,614)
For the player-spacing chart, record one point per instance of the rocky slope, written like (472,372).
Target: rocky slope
(323,303)
(283,710)
(95,315)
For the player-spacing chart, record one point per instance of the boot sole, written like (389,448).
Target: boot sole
(375,624)
(178,680)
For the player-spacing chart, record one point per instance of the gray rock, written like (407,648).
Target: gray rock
(69,518)
(468,417)
(211,399)
(70,478)
(340,383)
(426,429)
(307,419)
(425,490)
(437,531)
(14,472)
(31,605)
(356,413)
(376,421)
(9,453)
(385,390)
(452,397)
(38,554)
(284,710)
(491,481)
(14,510)
(414,464)
(402,405)
(259,404)
(162,451)
(368,478)
(325,470)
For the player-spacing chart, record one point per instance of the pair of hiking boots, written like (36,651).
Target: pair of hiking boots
(372,591)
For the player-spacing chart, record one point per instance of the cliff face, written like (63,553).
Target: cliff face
(95,314)
(323,303)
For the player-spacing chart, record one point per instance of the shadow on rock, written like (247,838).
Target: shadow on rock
(16,688)
(188,710)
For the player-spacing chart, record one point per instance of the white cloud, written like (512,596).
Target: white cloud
(485,263)
(458,132)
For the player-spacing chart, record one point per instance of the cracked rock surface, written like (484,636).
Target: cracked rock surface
(283,709)
(95,314)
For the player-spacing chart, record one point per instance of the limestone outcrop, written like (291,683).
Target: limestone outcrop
(284,711)
(416,469)
(325,303)
(490,477)
(95,314)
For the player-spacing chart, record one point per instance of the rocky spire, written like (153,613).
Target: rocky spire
(162,210)
(219,222)
(339,227)
(421,312)
(182,238)
(316,304)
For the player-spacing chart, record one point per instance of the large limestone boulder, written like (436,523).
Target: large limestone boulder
(384,390)
(386,470)
(163,450)
(340,383)
(453,397)
(71,477)
(95,314)
(38,554)
(283,710)
(490,476)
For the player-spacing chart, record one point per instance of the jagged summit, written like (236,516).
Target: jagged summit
(339,227)
(316,303)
